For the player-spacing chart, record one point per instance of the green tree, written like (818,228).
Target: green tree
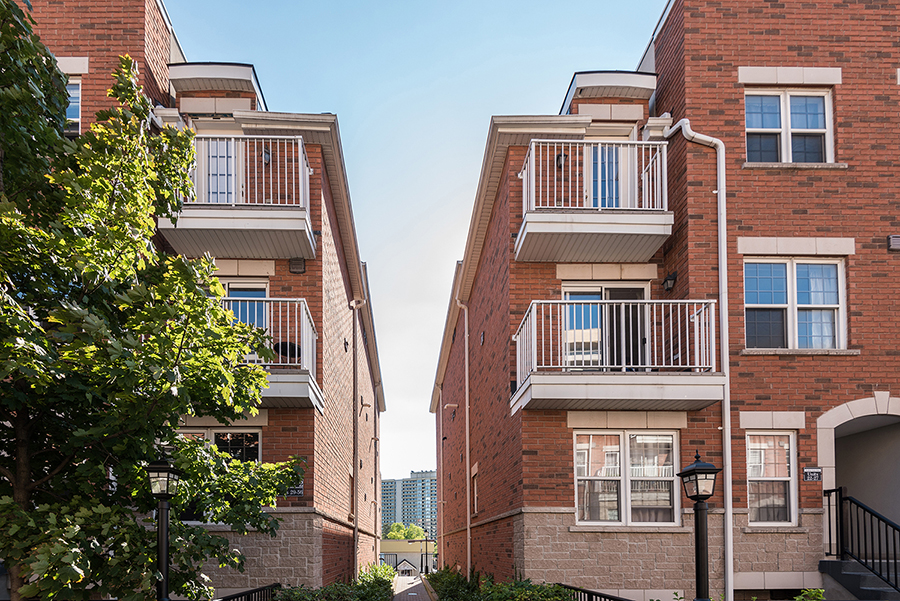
(398,531)
(104,344)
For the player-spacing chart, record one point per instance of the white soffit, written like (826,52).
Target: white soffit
(787,76)
(73,65)
(227,77)
(609,84)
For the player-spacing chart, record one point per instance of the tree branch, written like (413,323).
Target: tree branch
(62,464)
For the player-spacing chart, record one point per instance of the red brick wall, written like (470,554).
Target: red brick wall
(858,202)
(103,31)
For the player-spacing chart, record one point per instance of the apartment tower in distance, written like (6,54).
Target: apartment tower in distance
(273,207)
(700,255)
(410,500)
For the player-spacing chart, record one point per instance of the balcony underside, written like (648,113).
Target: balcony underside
(290,389)
(591,236)
(619,391)
(241,231)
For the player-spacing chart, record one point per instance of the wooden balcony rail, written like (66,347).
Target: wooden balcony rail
(251,170)
(289,325)
(626,336)
(565,174)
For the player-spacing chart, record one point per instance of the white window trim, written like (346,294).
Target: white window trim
(625,478)
(239,282)
(840,326)
(78,121)
(603,286)
(793,487)
(785,132)
(209,435)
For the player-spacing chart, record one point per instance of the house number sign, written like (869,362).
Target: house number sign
(812,474)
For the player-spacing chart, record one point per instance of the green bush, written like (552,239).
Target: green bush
(375,583)
(452,586)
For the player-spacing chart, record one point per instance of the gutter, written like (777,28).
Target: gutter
(684,126)
(465,309)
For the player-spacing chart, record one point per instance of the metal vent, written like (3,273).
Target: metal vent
(894,243)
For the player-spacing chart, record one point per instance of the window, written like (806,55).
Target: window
(771,477)
(642,493)
(795,303)
(792,126)
(241,444)
(73,112)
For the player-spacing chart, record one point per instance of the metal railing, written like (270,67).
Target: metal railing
(561,174)
(263,593)
(616,336)
(581,594)
(857,531)
(289,325)
(272,170)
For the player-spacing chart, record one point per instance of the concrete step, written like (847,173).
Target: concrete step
(858,581)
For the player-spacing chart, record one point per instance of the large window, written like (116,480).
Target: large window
(626,477)
(73,111)
(241,444)
(771,477)
(789,127)
(794,303)
(605,335)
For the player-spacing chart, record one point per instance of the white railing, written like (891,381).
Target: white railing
(628,336)
(560,174)
(289,325)
(272,170)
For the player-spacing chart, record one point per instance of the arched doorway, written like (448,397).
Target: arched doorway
(859,449)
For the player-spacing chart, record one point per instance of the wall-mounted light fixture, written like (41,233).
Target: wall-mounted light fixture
(561,160)
(669,282)
(267,156)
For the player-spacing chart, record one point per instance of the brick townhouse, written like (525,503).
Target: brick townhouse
(273,207)
(692,256)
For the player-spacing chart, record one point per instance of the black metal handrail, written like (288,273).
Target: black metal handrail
(263,593)
(857,531)
(581,594)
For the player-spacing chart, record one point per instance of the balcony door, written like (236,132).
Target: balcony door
(220,169)
(604,327)
(611,178)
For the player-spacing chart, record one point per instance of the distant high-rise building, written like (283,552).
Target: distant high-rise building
(411,500)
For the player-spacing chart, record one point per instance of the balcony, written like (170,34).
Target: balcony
(292,338)
(251,202)
(593,202)
(617,355)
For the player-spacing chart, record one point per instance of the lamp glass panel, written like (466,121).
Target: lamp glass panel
(690,485)
(705,484)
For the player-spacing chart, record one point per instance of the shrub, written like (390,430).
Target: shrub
(375,583)
(452,586)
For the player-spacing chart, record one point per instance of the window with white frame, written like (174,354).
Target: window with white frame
(242,444)
(771,477)
(789,126)
(73,111)
(626,477)
(794,303)
(246,299)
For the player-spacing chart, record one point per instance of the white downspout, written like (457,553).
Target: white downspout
(685,126)
(465,309)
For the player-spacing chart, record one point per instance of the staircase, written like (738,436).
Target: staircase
(865,547)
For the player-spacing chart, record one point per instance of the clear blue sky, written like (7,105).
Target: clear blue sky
(414,85)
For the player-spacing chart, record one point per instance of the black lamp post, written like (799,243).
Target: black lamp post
(163,486)
(699,480)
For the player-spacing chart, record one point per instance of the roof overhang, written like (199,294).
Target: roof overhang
(323,131)
(227,77)
(503,132)
(609,84)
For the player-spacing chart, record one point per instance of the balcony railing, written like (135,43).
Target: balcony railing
(289,325)
(596,175)
(626,336)
(251,170)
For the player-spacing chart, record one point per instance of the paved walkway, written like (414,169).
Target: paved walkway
(409,588)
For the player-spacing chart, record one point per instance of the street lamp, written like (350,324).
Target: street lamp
(699,480)
(163,485)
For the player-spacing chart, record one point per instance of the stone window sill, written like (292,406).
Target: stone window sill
(796,351)
(775,530)
(795,166)
(622,528)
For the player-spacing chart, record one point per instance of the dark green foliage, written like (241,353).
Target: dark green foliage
(453,586)
(104,343)
(375,583)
